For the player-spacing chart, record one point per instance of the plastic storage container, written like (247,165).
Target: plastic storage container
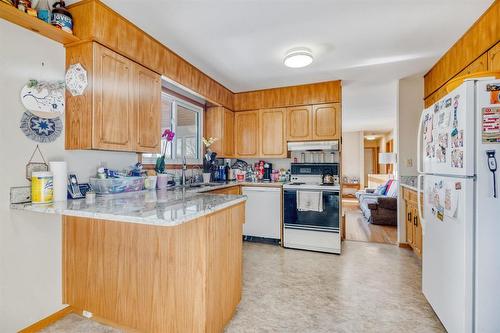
(117,185)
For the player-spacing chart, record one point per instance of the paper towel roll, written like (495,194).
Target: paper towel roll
(60,172)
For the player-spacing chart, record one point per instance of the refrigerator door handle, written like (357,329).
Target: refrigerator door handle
(419,203)
(419,143)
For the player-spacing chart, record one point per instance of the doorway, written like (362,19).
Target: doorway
(371,162)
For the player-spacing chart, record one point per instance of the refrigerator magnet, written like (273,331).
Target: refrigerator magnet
(494,90)
(491,125)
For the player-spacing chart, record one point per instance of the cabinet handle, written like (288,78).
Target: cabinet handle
(415,221)
(409,216)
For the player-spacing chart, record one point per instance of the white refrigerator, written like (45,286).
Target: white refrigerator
(458,140)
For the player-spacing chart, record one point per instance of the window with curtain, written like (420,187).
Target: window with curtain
(185,120)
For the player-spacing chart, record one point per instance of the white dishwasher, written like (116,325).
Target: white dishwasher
(262,212)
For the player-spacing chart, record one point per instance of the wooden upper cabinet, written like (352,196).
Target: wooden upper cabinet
(219,123)
(326,121)
(113,125)
(299,123)
(120,108)
(246,132)
(147,87)
(272,133)
(494,58)
(479,65)
(228,134)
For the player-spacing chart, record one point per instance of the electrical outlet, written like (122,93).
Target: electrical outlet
(21,194)
(409,163)
(87,314)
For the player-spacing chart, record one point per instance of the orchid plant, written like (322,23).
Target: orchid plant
(168,136)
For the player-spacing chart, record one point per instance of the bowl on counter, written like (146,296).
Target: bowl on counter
(117,185)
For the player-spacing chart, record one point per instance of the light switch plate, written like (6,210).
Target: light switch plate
(20,194)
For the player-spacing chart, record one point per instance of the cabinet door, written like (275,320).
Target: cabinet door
(494,58)
(214,123)
(148,110)
(113,101)
(246,132)
(326,121)
(228,133)
(479,65)
(299,123)
(272,133)
(409,223)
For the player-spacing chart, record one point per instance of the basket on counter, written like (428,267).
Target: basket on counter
(117,185)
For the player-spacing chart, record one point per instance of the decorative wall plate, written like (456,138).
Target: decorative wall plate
(43,98)
(41,129)
(76,79)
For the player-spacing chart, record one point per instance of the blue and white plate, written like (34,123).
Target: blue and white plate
(41,129)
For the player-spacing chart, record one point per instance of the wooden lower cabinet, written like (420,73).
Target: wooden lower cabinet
(228,190)
(412,221)
(153,278)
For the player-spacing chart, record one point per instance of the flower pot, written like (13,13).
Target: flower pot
(162,181)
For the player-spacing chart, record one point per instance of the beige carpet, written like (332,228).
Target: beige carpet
(369,288)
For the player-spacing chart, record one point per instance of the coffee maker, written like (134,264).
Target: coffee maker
(268,171)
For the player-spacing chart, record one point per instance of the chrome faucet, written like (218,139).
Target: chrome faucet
(184,168)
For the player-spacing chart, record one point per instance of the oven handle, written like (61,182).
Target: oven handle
(289,226)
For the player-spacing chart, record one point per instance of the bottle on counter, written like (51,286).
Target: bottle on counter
(227,169)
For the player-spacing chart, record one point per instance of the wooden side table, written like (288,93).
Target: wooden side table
(354,186)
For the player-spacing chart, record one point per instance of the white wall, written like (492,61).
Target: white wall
(30,243)
(353,155)
(410,106)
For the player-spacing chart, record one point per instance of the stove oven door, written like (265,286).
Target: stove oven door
(327,220)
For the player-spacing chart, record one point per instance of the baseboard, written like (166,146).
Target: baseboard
(404,245)
(48,320)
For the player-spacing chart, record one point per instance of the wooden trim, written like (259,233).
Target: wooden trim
(15,16)
(304,94)
(48,320)
(404,245)
(184,98)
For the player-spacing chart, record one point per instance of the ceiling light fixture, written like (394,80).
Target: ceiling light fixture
(370,137)
(298,57)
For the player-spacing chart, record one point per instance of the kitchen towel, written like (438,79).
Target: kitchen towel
(310,201)
(59,170)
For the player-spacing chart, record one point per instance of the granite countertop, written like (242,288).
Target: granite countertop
(163,208)
(409,182)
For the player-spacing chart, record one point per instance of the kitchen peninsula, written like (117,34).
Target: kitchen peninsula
(166,261)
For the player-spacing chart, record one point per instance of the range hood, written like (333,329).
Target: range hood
(313,145)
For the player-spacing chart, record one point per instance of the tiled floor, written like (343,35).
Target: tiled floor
(369,288)
(358,229)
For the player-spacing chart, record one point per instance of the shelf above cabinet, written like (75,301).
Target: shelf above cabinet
(13,15)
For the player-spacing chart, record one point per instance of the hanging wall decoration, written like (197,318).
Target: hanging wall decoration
(76,79)
(32,166)
(41,129)
(44,98)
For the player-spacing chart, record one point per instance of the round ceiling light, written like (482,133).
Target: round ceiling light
(297,58)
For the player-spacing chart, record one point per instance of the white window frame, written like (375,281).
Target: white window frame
(173,159)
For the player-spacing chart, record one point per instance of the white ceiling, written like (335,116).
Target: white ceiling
(366,43)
